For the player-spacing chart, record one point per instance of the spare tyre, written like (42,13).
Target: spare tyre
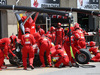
(84,57)
(11,58)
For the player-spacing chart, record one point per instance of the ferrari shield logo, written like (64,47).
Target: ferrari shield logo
(27,39)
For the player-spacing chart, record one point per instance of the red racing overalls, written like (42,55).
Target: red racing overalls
(96,52)
(4,49)
(44,45)
(63,58)
(27,41)
(59,32)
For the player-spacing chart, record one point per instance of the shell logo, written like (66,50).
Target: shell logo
(27,39)
(64,51)
(81,34)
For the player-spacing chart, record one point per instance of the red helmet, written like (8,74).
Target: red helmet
(13,38)
(36,36)
(76,26)
(52,28)
(27,30)
(92,43)
(59,24)
(58,47)
(38,26)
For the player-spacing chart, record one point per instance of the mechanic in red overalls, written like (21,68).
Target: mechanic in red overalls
(44,45)
(52,30)
(67,48)
(40,30)
(79,37)
(59,32)
(14,41)
(52,33)
(27,42)
(94,51)
(4,50)
(63,58)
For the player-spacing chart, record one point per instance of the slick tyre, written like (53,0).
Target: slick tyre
(84,57)
(11,58)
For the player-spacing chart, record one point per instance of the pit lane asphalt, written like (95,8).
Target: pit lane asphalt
(12,70)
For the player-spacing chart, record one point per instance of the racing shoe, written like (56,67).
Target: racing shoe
(0,69)
(75,65)
(43,65)
(61,65)
(25,68)
(70,64)
(50,65)
(32,67)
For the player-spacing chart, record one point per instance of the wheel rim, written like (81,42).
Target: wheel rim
(82,57)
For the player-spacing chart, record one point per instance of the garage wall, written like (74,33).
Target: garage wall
(4,26)
(12,21)
(70,3)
